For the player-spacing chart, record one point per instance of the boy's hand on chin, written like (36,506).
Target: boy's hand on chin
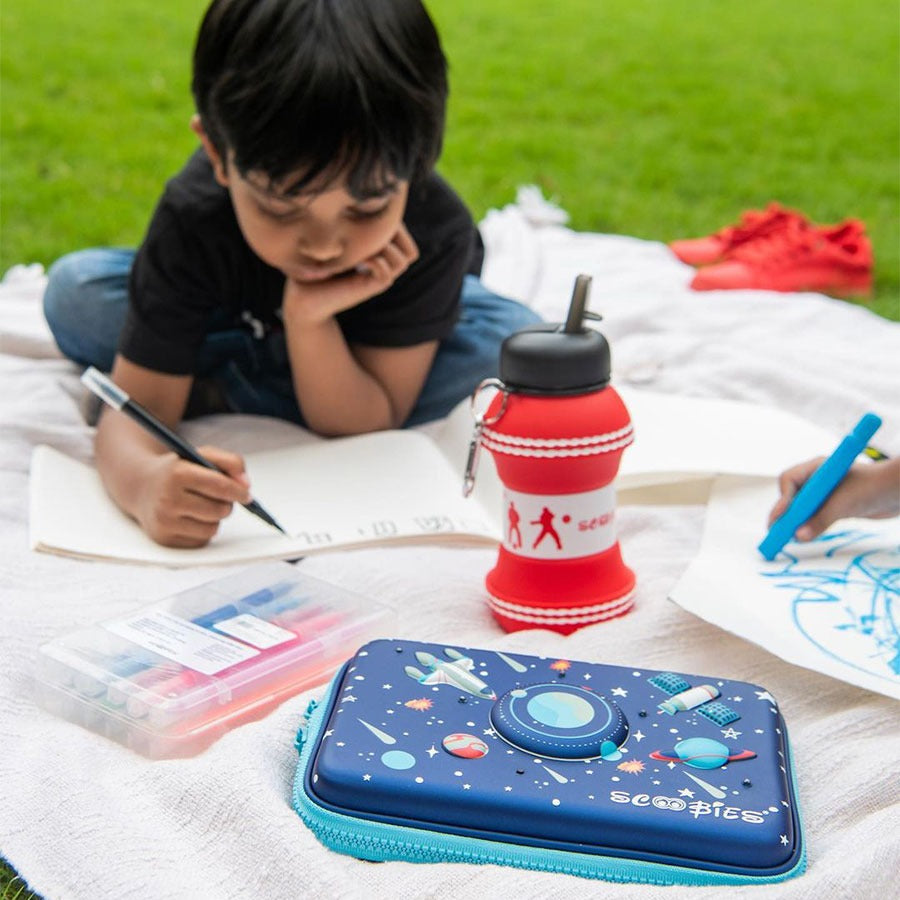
(313,302)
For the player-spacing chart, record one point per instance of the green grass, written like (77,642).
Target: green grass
(655,119)
(11,885)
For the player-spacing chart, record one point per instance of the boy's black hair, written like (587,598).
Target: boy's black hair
(324,88)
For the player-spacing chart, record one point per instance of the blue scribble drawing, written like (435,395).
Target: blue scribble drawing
(846,602)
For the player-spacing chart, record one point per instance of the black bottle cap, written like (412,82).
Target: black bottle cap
(558,358)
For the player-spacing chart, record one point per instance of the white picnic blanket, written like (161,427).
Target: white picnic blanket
(83,818)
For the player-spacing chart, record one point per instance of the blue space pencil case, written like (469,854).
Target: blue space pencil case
(433,753)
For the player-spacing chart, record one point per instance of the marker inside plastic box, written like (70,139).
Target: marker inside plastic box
(173,676)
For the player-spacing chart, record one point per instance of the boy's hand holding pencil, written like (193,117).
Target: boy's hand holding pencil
(179,498)
(181,504)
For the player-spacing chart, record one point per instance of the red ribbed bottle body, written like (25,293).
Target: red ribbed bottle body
(559,565)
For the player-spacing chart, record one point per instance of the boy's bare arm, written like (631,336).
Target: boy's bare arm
(176,502)
(351,390)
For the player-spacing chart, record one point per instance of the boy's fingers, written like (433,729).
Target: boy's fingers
(789,483)
(395,262)
(405,243)
(216,486)
(778,509)
(204,508)
(230,463)
(192,533)
(813,526)
(173,528)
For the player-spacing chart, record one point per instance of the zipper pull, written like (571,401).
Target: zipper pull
(303,728)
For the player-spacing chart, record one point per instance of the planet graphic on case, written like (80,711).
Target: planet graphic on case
(560,721)
(465,746)
(701,753)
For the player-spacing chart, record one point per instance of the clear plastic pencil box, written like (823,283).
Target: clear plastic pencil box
(171,678)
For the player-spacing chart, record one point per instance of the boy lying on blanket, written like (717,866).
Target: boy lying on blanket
(306,263)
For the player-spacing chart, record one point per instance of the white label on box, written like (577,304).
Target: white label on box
(255,631)
(182,641)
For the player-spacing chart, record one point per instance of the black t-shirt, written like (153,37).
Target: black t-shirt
(194,270)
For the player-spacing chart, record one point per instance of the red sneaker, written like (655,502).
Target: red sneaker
(833,260)
(752,225)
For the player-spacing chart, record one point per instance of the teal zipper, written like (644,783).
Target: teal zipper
(381,842)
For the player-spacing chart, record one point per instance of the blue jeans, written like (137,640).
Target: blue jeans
(87,298)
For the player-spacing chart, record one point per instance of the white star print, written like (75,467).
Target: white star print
(639,735)
(431,751)
(619,692)
(784,840)
(764,695)
(367,777)
(587,676)
(466,787)
(731,735)
(686,792)
(387,687)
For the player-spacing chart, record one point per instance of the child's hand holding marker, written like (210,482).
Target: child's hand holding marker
(868,491)
(816,493)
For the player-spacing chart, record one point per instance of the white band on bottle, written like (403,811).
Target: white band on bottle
(551,448)
(548,616)
(564,526)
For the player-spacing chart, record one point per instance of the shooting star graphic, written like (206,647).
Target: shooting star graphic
(384,738)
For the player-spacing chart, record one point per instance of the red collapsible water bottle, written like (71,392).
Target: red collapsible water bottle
(556,431)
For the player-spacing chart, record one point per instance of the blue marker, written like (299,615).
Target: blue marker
(819,486)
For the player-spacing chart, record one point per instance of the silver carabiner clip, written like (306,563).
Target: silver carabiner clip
(480,422)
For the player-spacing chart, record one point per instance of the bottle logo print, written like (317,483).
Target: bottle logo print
(545,520)
(560,527)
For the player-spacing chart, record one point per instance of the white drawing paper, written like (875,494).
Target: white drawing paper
(831,605)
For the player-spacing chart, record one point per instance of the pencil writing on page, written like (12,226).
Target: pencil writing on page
(109,392)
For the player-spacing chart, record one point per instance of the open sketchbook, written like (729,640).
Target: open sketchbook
(406,486)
